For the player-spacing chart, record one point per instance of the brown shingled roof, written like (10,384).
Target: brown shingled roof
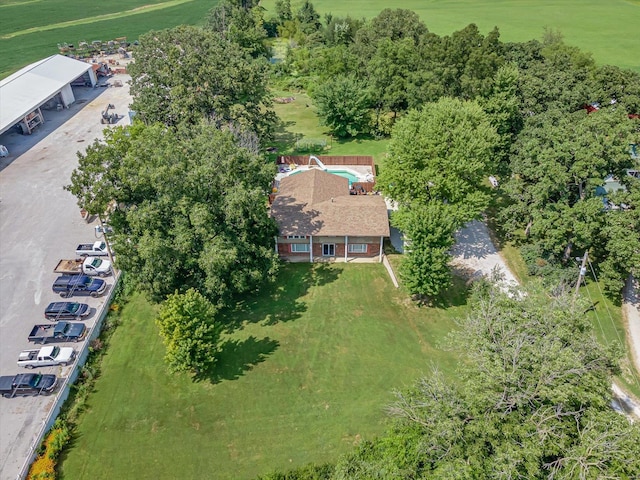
(318,203)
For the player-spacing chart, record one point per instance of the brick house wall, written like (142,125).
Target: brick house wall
(373,248)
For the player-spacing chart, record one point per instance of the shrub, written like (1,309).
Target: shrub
(45,465)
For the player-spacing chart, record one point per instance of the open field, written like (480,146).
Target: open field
(30,30)
(305,375)
(606,28)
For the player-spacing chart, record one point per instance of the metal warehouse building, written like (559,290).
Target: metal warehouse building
(43,85)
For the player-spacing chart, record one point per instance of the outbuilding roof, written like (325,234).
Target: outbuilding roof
(30,87)
(318,203)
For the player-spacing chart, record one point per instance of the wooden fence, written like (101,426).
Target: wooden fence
(328,160)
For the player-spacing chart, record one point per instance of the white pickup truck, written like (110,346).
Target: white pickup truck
(46,357)
(95,249)
(86,266)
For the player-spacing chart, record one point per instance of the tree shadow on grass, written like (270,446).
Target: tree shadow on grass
(280,301)
(237,357)
(455,296)
(284,138)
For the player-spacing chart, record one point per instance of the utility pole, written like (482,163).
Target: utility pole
(583,272)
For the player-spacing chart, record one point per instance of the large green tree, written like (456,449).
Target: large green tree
(343,106)
(429,229)
(240,25)
(554,76)
(558,163)
(189,331)
(442,152)
(438,159)
(190,208)
(532,401)
(186,73)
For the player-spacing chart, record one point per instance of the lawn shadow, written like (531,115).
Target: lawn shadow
(68,451)
(457,295)
(284,138)
(237,357)
(280,301)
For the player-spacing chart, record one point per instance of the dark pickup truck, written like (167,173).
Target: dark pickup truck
(70,285)
(27,384)
(57,332)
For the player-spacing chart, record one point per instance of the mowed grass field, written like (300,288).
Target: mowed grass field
(606,28)
(299,121)
(305,376)
(31,29)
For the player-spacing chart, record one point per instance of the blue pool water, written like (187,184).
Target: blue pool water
(342,173)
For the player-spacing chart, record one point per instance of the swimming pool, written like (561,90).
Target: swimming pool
(342,173)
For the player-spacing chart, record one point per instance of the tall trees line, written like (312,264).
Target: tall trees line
(185,186)
(550,155)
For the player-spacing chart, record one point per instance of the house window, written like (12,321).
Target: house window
(357,248)
(299,247)
(296,237)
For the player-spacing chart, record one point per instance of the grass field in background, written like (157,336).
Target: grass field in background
(306,376)
(606,28)
(17,16)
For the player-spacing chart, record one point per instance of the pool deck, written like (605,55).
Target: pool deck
(362,171)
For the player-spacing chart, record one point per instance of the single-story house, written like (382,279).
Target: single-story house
(319,219)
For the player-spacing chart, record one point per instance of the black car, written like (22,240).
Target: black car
(66,311)
(70,285)
(27,384)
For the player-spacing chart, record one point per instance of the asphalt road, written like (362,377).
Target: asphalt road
(40,223)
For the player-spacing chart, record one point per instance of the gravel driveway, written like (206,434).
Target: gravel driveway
(474,254)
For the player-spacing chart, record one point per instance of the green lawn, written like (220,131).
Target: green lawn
(299,121)
(305,376)
(608,327)
(19,48)
(606,28)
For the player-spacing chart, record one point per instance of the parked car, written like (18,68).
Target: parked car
(66,311)
(85,265)
(27,384)
(46,357)
(59,332)
(70,285)
(95,249)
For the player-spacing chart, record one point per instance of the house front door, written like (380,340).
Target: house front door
(328,249)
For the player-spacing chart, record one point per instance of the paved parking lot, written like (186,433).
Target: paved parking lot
(40,223)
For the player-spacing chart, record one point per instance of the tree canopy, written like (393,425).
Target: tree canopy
(191,209)
(438,159)
(189,331)
(343,105)
(186,73)
(558,167)
(441,152)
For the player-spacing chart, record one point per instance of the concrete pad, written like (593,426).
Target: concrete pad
(40,223)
